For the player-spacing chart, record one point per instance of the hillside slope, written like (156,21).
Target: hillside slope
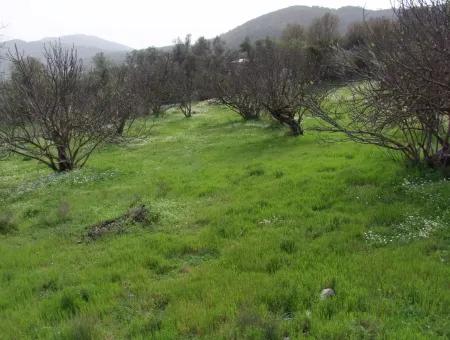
(247,227)
(273,24)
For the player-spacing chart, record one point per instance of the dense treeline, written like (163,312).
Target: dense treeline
(397,70)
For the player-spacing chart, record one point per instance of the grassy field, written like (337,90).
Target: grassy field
(249,225)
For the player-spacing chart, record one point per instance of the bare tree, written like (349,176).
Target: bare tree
(294,36)
(151,72)
(403,100)
(116,85)
(236,87)
(3,148)
(202,52)
(324,31)
(322,38)
(124,101)
(210,58)
(184,82)
(354,50)
(52,112)
(286,83)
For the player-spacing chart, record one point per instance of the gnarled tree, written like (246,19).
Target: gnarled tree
(236,87)
(151,72)
(403,100)
(116,85)
(52,112)
(286,82)
(184,81)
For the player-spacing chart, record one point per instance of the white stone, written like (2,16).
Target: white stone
(327,293)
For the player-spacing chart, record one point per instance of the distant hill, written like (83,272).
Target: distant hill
(273,24)
(87,47)
(90,41)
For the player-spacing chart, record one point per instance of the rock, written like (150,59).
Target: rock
(327,293)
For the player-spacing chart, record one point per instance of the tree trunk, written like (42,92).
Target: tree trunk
(296,130)
(186,108)
(289,120)
(121,127)
(64,162)
(156,110)
(441,159)
(250,115)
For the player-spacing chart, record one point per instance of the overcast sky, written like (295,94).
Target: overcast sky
(142,23)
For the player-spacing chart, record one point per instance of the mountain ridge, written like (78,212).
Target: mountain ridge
(84,40)
(87,47)
(272,24)
(89,41)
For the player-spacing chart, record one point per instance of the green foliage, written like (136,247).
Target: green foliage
(252,226)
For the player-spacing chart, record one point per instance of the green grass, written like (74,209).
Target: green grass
(252,225)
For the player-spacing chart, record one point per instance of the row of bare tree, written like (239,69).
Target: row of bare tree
(58,112)
(397,69)
(402,98)
(273,78)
